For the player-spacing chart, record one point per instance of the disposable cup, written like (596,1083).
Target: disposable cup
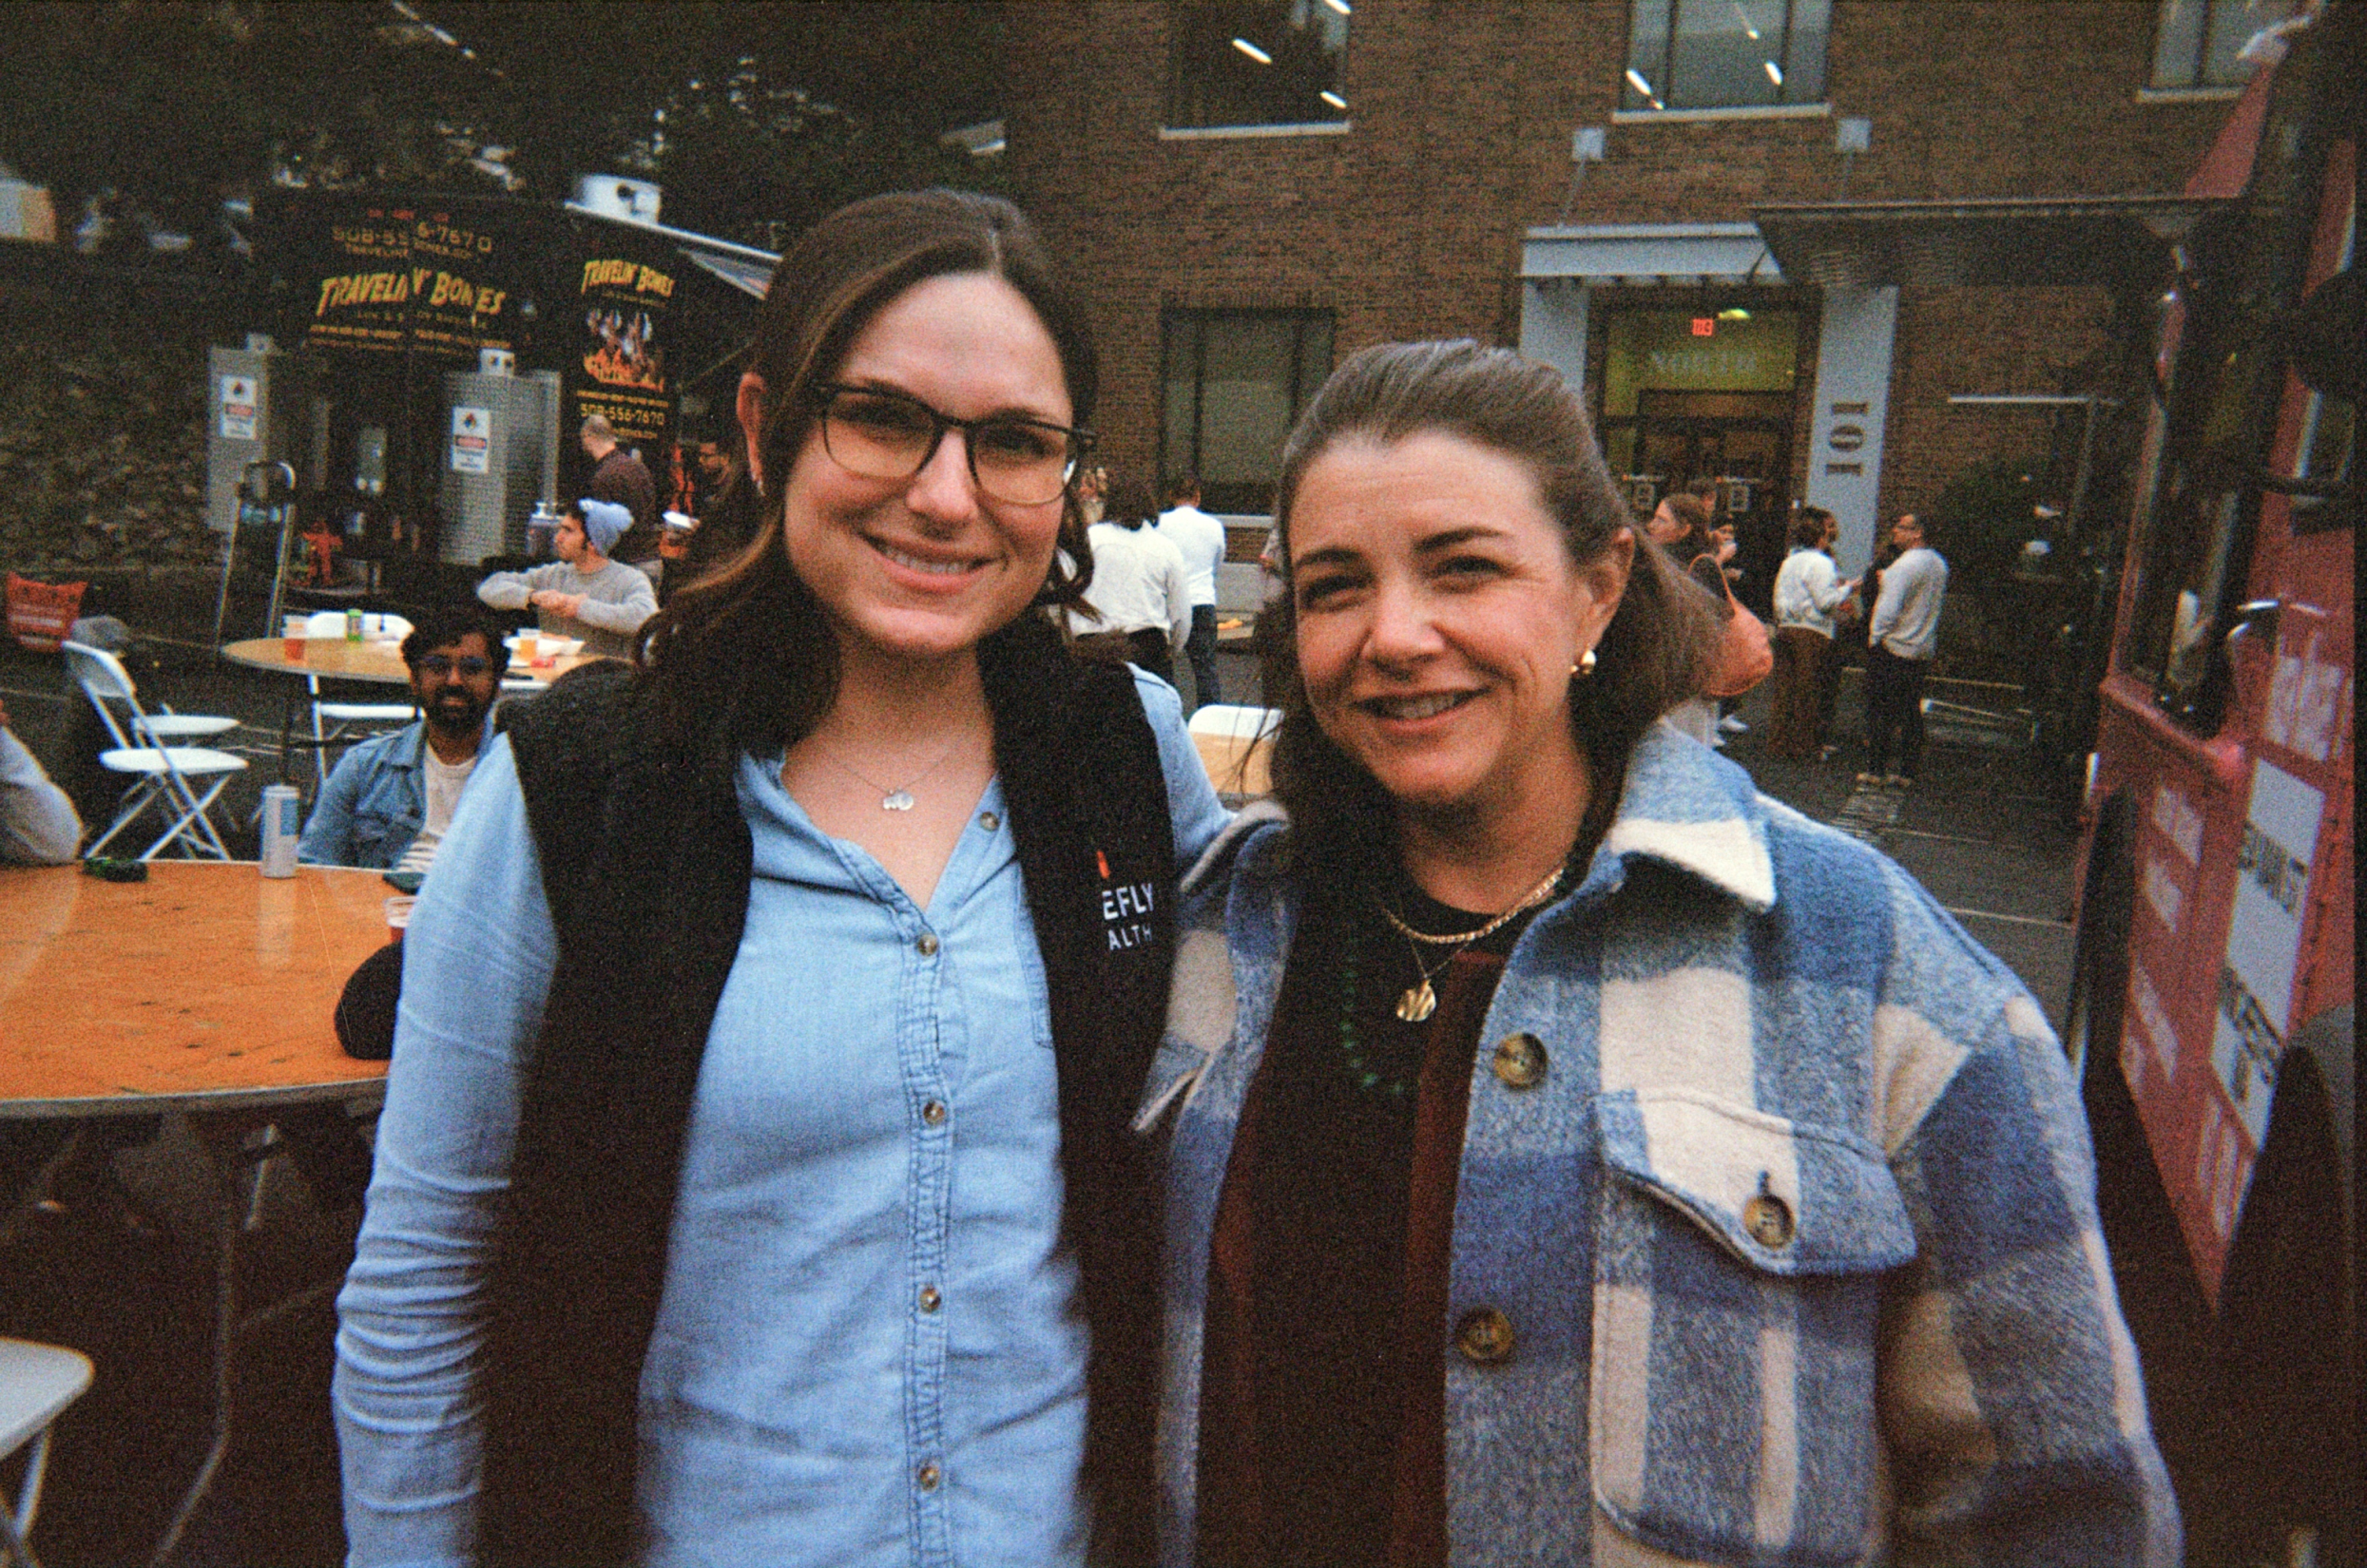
(292,637)
(398,913)
(529,648)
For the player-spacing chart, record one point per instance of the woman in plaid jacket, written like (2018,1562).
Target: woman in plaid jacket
(1574,1155)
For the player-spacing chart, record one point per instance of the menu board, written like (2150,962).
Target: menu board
(380,276)
(620,371)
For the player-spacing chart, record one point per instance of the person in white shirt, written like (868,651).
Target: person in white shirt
(389,800)
(1807,592)
(1901,636)
(1201,537)
(583,593)
(38,824)
(1137,609)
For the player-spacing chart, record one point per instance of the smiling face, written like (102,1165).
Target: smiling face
(1438,613)
(453,699)
(920,569)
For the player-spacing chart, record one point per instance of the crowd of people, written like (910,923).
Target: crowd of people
(860,1097)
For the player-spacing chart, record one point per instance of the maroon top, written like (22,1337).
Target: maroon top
(1323,1387)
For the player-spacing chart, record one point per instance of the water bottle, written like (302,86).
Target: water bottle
(284,824)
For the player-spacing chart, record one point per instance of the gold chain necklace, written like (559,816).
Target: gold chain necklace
(1419,1001)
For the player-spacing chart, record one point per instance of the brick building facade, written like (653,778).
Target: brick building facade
(1443,199)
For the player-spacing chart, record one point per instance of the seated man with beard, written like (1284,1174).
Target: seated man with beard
(392,796)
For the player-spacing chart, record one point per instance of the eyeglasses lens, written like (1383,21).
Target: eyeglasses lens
(1015,461)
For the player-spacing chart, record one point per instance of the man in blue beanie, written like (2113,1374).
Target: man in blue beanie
(583,593)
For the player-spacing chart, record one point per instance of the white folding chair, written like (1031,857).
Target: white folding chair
(145,747)
(336,722)
(37,1382)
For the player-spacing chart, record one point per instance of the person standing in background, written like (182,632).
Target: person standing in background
(1682,526)
(1806,594)
(1902,636)
(1143,610)
(1201,537)
(621,477)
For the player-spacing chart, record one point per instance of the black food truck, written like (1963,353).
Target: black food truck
(411,398)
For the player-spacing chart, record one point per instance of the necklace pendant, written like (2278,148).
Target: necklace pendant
(896,800)
(1417,1002)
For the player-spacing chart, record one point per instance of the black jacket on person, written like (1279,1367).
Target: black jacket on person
(645,861)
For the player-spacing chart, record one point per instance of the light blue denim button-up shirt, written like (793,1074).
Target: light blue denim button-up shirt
(869,1349)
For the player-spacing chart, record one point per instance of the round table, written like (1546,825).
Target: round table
(208,987)
(334,659)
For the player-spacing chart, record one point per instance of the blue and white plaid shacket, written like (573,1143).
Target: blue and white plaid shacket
(1918,1357)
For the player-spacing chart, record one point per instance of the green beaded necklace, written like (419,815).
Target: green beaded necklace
(1361,1072)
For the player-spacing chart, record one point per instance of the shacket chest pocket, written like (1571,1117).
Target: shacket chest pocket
(1734,1349)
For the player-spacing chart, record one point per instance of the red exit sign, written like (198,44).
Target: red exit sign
(1705,326)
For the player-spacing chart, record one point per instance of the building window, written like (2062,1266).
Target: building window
(1257,63)
(1235,382)
(1725,54)
(2197,42)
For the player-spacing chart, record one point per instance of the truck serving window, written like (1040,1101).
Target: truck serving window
(2240,270)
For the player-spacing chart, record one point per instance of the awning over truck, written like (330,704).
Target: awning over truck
(2123,243)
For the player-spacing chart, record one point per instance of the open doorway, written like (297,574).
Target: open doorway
(1694,392)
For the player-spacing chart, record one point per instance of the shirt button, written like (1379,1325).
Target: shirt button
(928,1477)
(933,1113)
(930,1298)
(988,821)
(1768,1219)
(926,945)
(1520,1061)
(1484,1335)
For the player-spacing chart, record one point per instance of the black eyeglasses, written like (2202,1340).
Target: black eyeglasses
(882,434)
(470,665)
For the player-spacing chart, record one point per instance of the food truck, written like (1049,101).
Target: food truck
(421,364)
(2211,1014)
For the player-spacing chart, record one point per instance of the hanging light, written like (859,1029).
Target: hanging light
(1774,72)
(1334,99)
(1253,52)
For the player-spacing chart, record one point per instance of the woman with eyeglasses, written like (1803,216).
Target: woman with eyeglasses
(754,1184)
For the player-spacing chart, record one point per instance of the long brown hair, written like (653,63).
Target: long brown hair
(1653,655)
(747,653)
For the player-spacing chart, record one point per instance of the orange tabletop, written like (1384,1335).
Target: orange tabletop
(334,659)
(206,986)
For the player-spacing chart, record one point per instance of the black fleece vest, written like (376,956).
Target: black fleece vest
(646,863)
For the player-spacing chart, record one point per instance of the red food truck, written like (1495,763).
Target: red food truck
(2211,1014)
